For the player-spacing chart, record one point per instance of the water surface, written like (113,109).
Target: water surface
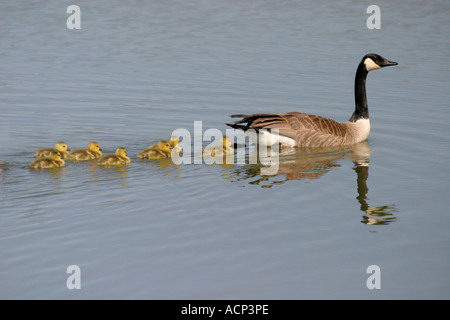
(138,70)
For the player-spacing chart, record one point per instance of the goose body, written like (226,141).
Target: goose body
(60,147)
(297,129)
(118,159)
(160,150)
(53,160)
(92,152)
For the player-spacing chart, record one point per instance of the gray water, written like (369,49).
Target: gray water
(137,70)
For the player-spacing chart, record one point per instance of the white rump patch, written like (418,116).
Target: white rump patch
(265,138)
(370,65)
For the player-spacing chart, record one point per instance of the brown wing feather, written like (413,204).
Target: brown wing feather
(305,129)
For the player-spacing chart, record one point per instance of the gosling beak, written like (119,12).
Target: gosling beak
(68,149)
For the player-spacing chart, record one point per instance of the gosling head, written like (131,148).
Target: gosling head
(373,61)
(174,141)
(164,145)
(121,152)
(226,142)
(94,146)
(61,146)
(55,155)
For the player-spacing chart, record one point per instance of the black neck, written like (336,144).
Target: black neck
(361,107)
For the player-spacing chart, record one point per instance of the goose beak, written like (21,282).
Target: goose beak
(388,63)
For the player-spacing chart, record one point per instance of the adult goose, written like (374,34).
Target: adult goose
(297,129)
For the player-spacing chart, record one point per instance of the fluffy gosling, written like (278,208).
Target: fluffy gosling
(160,150)
(53,161)
(220,150)
(60,147)
(92,152)
(118,159)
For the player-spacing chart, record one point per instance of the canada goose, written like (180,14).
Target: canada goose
(219,150)
(160,150)
(117,159)
(305,130)
(61,147)
(92,152)
(52,161)
(174,141)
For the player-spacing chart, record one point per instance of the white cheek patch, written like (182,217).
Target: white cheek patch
(370,65)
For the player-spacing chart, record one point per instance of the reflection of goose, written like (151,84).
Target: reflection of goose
(374,215)
(308,163)
(61,147)
(313,163)
(305,130)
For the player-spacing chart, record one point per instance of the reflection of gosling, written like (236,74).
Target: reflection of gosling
(60,147)
(118,159)
(220,150)
(53,161)
(160,150)
(92,152)
(174,141)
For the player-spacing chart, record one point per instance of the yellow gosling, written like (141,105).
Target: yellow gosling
(53,161)
(174,141)
(60,147)
(223,149)
(92,152)
(118,159)
(160,150)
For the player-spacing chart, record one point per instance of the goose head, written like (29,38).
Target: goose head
(374,61)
